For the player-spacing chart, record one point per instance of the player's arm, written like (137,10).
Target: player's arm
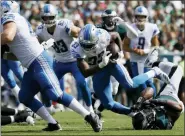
(126,45)
(85,69)
(155,41)
(169,104)
(115,37)
(8,34)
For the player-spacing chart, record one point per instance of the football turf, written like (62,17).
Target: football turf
(73,124)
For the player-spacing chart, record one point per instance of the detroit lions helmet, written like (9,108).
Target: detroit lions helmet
(9,6)
(88,37)
(107,17)
(141,16)
(48,15)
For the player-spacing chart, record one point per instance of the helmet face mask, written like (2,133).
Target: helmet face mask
(88,37)
(141,17)
(107,18)
(48,15)
(155,118)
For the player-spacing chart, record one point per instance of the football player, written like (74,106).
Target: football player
(8,69)
(140,46)
(163,111)
(93,60)
(9,116)
(63,31)
(21,39)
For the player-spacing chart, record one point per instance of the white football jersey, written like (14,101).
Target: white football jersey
(25,45)
(94,56)
(175,74)
(62,39)
(143,41)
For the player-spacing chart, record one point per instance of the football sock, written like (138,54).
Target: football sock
(44,114)
(15,91)
(77,107)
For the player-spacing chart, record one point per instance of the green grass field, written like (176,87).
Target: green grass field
(73,124)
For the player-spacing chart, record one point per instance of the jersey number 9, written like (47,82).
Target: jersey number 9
(141,43)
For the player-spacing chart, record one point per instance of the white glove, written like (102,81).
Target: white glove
(120,57)
(105,59)
(118,20)
(131,33)
(48,43)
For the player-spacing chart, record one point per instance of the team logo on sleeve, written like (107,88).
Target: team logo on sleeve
(6,18)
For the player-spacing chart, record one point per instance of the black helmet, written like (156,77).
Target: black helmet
(107,17)
(152,118)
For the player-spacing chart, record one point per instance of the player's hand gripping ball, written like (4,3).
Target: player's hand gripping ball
(114,49)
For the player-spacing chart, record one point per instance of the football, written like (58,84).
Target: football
(114,49)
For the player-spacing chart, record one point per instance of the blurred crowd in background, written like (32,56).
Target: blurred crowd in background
(168,15)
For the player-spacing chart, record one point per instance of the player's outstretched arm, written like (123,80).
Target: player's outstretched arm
(9,31)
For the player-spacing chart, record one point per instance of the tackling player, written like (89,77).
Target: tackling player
(140,46)
(93,60)
(163,111)
(19,36)
(63,31)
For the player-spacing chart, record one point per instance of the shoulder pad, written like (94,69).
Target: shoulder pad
(39,29)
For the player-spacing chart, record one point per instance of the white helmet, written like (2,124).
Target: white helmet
(88,37)
(141,15)
(48,15)
(9,6)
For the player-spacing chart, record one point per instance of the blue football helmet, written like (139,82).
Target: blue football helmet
(9,6)
(88,37)
(48,15)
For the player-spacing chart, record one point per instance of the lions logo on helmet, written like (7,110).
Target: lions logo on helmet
(48,15)
(107,17)
(9,6)
(141,16)
(88,37)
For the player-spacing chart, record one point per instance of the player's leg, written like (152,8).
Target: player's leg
(8,76)
(17,69)
(49,83)
(17,116)
(123,77)
(174,72)
(82,86)
(150,83)
(101,85)
(29,89)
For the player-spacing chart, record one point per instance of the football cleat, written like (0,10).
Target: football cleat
(151,58)
(161,75)
(53,127)
(94,121)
